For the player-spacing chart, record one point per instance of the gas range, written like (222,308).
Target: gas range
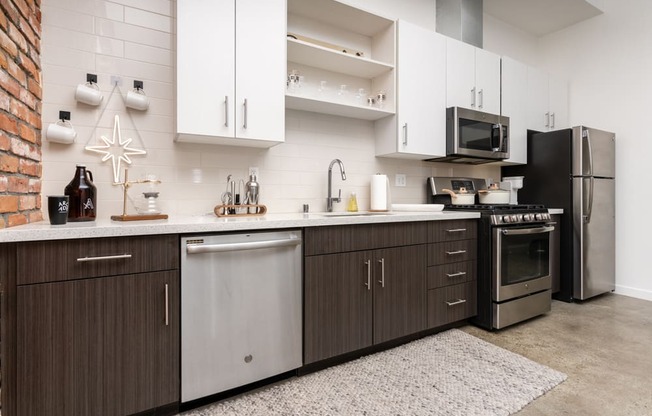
(513,254)
(502,214)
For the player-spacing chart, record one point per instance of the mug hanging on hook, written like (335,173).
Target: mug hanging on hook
(62,131)
(136,99)
(89,93)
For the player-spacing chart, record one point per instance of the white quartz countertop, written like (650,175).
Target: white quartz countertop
(210,223)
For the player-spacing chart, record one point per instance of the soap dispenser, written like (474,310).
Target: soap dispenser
(352,206)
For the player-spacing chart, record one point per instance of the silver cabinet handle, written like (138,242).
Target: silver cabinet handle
(368,284)
(481,98)
(100,258)
(254,245)
(473,97)
(226,111)
(456,230)
(457,302)
(382,272)
(244,124)
(552,120)
(547,119)
(538,230)
(167,304)
(452,253)
(456,274)
(405,134)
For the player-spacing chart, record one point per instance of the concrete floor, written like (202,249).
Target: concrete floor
(604,345)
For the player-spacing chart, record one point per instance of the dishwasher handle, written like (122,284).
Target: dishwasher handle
(250,245)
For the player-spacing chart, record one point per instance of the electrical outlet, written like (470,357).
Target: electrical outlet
(401,179)
(254,171)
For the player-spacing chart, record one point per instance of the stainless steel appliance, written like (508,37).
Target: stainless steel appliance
(474,137)
(514,282)
(574,169)
(240,309)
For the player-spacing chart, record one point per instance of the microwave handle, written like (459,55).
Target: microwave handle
(498,126)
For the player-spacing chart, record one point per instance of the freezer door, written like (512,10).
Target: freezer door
(594,152)
(594,227)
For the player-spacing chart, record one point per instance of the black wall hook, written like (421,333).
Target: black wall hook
(92,78)
(64,115)
(138,85)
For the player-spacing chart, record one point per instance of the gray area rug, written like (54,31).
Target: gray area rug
(450,373)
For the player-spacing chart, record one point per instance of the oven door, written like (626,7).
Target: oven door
(521,261)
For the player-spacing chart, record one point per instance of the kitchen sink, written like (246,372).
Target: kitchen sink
(352,214)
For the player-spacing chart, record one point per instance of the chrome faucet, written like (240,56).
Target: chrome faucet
(329,199)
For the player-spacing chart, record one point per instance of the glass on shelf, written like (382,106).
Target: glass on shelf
(323,91)
(295,82)
(343,93)
(381,98)
(361,96)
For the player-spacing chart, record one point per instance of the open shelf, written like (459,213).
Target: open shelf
(335,61)
(295,102)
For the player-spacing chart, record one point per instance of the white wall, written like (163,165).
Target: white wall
(608,61)
(135,40)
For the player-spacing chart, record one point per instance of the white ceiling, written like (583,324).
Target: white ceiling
(541,17)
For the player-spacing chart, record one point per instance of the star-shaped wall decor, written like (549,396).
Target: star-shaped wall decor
(123,147)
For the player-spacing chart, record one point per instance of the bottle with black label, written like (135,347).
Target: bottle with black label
(82,196)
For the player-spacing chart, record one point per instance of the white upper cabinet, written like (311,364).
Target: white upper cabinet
(514,101)
(547,101)
(338,57)
(231,71)
(419,128)
(473,77)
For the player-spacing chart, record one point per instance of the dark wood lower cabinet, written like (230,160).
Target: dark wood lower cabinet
(337,314)
(451,304)
(104,346)
(350,303)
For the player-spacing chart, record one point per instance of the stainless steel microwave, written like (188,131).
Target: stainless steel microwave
(474,137)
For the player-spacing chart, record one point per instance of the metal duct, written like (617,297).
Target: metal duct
(460,19)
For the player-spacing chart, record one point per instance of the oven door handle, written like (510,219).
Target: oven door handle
(522,231)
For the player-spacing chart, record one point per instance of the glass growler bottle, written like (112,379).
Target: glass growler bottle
(82,196)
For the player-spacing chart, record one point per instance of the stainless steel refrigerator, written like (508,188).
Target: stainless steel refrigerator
(574,169)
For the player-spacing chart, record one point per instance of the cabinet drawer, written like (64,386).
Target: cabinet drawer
(451,252)
(451,274)
(50,261)
(451,304)
(344,238)
(440,231)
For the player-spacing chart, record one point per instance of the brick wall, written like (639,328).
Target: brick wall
(20,112)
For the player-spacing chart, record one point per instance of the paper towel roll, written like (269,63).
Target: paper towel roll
(379,193)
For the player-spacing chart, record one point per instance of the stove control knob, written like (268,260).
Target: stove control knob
(513,218)
(519,217)
(539,217)
(506,219)
(528,217)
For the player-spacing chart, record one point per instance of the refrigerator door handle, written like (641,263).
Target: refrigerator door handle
(587,136)
(587,217)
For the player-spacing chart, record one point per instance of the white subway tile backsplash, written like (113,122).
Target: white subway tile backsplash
(124,31)
(65,56)
(147,19)
(144,53)
(54,16)
(164,7)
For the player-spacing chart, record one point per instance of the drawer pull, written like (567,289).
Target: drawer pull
(457,302)
(98,258)
(456,230)
(452,253)
(167,305)
(456,274)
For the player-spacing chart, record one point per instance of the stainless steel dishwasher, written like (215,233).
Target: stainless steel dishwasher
(240,309)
